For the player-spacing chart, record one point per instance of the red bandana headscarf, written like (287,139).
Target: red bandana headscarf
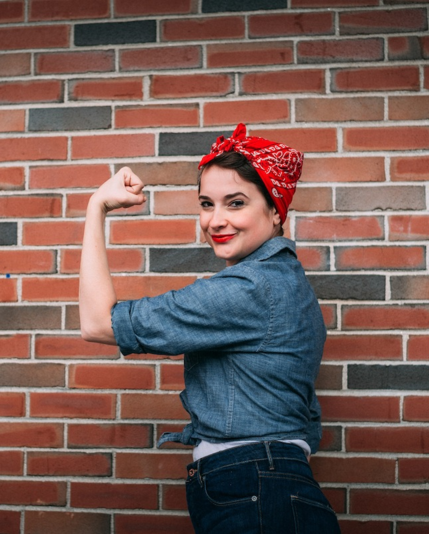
(278,165)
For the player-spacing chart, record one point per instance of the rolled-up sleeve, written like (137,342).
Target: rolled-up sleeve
(228,310)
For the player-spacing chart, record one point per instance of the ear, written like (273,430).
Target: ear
(276,218)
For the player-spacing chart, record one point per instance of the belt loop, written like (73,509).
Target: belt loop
(270,458)
(199,473)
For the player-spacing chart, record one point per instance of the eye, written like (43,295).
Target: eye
(237,203)
(205,204)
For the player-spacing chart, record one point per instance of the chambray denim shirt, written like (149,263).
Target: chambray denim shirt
(253,338)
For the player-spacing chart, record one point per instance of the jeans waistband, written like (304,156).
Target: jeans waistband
(267,450)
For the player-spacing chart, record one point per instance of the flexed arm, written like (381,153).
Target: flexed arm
(96,292)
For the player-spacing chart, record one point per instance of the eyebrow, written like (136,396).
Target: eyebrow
(227,197)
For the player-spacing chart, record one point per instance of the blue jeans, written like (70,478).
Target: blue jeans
(260,488)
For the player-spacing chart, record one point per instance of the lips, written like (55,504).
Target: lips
(222,238)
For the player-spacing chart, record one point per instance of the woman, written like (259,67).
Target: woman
(253,339)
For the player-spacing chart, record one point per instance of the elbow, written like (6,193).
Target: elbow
(98,336)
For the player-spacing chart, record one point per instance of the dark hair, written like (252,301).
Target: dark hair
(239,163)
(243,167)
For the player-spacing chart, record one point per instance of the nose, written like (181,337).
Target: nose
(218,219)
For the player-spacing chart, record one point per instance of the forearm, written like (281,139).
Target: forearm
(96,292)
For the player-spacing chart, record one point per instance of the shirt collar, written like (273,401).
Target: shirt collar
(270,248)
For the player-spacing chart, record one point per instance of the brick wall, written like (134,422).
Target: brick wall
(89,86)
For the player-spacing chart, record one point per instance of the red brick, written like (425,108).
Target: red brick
(106,89)
(31,206)
(357,258)
(304,139)
(120,376)
(26,492)
(12,404)
(15,64)
(120,260)
(329,315)
(426,77)
(69,464)
(339,228)
(152,406)
(344,169)
(376,79)
(12,178)
(385,317)
(66,522)
(284,81)
(349,408)
(123,496)
(161,57)
(77,204)
(416,408)
(172,377)
(339,109)
(33,148)
(12,11)
(279,24)
(71,347)
(34,91)
(157,116)
(368,347)
(152,7)
(412,528)
(349,526)
(152,232)
(174,498)
(394,138)
(21,37)
(331,438)
(414,470)
(75,62)
(336,498)
(15,346)
(145,524)
(109,435)
(12,120)
(176,203)
(132,287)
(50,289)
(55,233)
(404,48)
(32,375)
(312,199)
(410,287)
(408,227)
(388,439)
(68,9)
(327,51)
(143,465)
(250,54)
(113,146)
(187,85)
(330,377)
(10,522)
(418,348)
(31,435)
(8,290)
(59,177)
(367,470)
(235,111)
(415,168)
(72,405)
(389,502)
(230,27)
(383,21)
(313,258)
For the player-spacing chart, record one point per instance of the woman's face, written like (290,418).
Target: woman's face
(234,216)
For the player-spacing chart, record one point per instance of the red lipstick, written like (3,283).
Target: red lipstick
(222,238)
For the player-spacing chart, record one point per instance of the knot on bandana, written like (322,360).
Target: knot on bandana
(279,166)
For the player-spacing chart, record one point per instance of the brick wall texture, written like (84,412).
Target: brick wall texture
(89,86)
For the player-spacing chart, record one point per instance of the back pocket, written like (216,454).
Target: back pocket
(312,517)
